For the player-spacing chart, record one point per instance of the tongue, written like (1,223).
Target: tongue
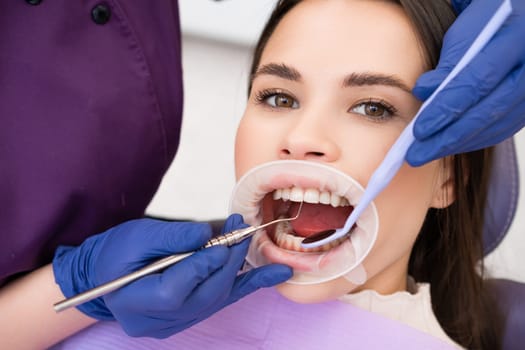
(317,217)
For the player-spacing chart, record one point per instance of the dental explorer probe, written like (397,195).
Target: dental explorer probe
(395,157)
(227,239)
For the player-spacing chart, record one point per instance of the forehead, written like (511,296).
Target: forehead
(342,36)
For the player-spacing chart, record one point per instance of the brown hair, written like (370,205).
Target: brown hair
(449,249)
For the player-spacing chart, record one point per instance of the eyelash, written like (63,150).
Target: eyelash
(390,109)
(262,96)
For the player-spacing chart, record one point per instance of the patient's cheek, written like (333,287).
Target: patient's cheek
(251,146)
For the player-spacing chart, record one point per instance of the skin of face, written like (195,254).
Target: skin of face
(313,115)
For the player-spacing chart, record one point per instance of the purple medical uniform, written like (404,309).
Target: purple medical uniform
(90,110)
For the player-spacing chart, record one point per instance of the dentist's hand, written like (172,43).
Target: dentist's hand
(165,303)
(485,103)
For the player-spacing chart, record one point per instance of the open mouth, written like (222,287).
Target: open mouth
(321,211)
(276,190)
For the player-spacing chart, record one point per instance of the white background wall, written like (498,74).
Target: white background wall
(216,56)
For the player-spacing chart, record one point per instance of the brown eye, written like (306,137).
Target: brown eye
(283,101)
(374,109)
(279,100)
(276,98)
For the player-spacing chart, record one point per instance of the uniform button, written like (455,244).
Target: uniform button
(33,2)
(100,14)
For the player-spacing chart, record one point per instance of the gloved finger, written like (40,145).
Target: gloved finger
(450,142)
(170,289)
(179,237)
(498,131)
(233,222)
(478,79)
(149,238)
(218,287)
(486,124)
(428,82)
(262,277)
(471,85)
(432,148)
(137,243)
(500,120)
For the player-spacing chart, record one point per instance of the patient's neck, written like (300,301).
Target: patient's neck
(390,280)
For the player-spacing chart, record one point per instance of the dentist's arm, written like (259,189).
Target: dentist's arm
(485,103)
(27,318)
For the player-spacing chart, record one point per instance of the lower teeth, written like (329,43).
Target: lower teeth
(284,237)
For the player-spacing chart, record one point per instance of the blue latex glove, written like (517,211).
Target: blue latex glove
(161,304)
(485,103)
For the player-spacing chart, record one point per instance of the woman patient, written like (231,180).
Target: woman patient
(330,91)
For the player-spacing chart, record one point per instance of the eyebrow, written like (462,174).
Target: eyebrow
(279,70)
(283,71)
(362,79)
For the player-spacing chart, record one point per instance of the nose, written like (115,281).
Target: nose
(309,138)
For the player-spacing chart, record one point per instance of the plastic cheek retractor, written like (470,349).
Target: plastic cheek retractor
(342,260)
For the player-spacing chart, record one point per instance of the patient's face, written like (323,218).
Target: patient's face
(334,87)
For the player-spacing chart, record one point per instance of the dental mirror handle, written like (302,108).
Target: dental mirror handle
(395,157)
(227,239)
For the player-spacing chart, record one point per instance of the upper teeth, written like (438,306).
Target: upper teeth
(310,195)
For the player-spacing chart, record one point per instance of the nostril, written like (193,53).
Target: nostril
(285,153)
(316,154)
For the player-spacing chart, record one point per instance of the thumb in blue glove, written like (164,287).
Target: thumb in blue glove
(485,103)
(262,277)
(164,303)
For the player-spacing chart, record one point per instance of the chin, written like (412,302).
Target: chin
(315,293)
